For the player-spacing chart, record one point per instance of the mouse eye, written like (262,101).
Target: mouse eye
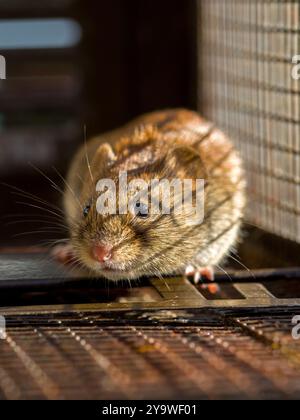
(86,210)
(141,210)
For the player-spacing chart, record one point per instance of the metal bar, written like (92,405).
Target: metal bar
(254,291)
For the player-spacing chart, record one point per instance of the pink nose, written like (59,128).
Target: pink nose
(101,253)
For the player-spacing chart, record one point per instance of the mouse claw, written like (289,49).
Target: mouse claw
(192,274)
(212,288)
(196,274)
(63,253)
(208,272)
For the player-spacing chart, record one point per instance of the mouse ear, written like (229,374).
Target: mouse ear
(104,156)
(185,160)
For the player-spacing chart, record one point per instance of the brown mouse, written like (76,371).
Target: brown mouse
(173,143)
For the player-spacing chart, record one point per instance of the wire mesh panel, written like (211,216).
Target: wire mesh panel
(249,86)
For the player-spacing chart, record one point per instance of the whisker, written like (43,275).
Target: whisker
(24,215)
(51,243)
(40,208)
(243,265)
(52,183)
(68,186)
(56,241)
(17,235)
(47,222)
(86,155)
(224,271)
(27,194)
(38,200)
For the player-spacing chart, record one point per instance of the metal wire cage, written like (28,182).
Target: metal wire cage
(249,84)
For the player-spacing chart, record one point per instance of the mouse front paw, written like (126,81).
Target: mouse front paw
(196,275)
(63,253)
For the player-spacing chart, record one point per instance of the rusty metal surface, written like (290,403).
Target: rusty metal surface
(160,354)
(76,338)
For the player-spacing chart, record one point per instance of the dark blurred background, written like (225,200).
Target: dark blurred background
(71,64)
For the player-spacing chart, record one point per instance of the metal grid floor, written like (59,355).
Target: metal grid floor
(160,355)
(72,338)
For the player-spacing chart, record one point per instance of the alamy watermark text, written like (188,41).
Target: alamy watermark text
(2,328)
(2,67)
(154,197)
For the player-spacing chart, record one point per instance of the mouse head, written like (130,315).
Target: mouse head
(124,234)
